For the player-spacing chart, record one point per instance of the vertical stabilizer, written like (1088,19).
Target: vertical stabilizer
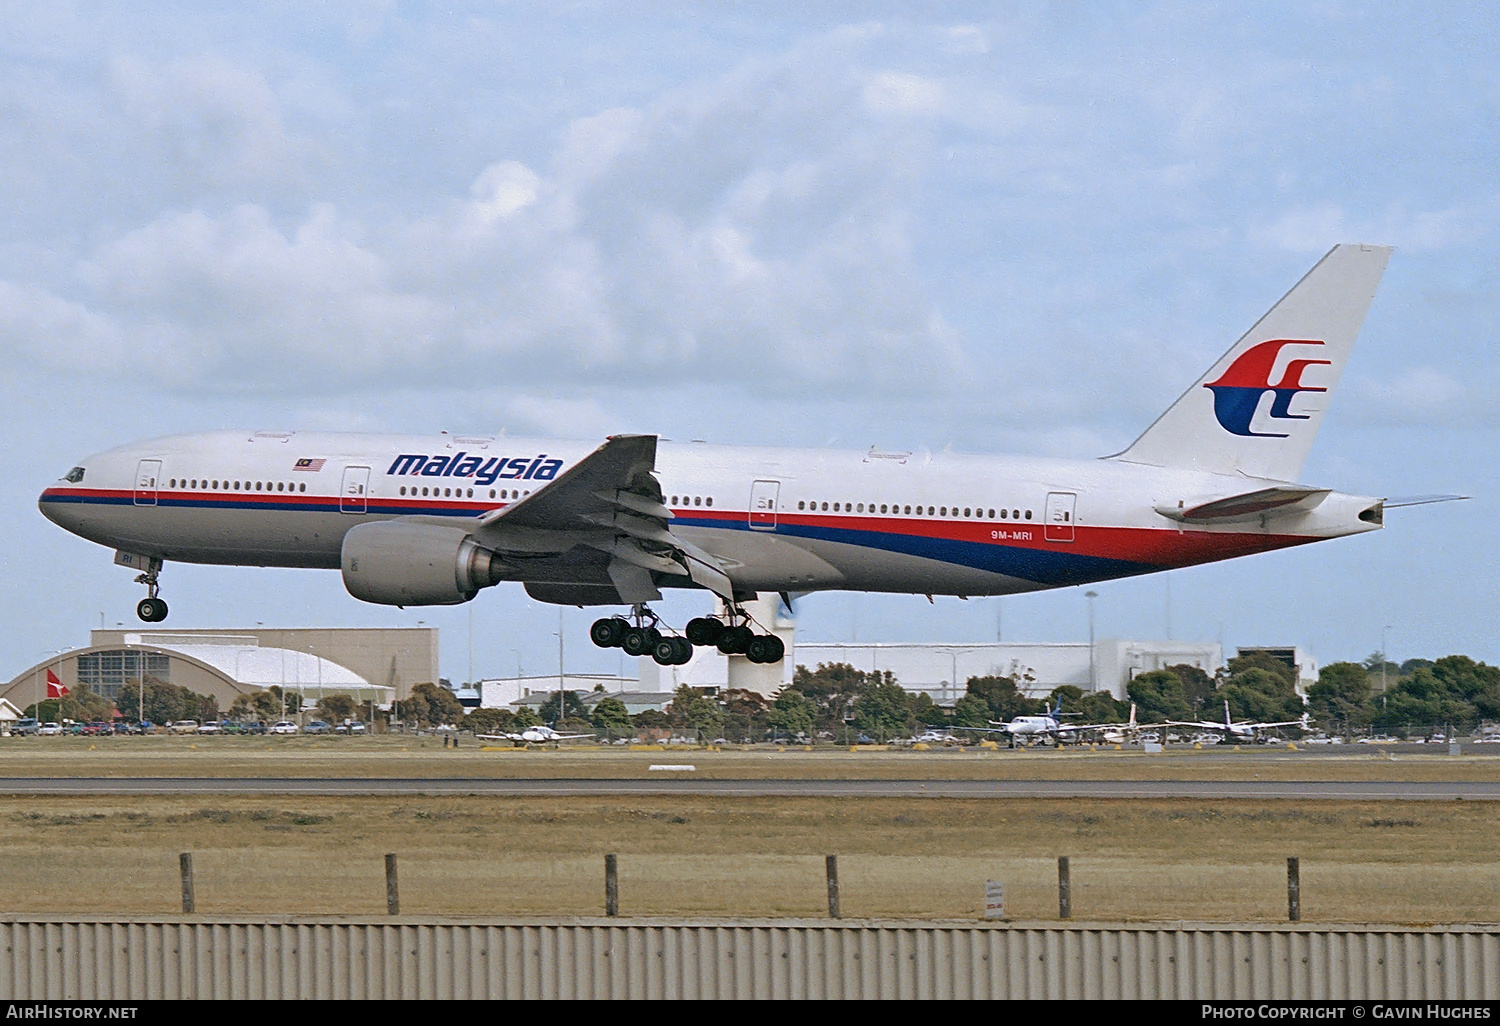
(1258,409)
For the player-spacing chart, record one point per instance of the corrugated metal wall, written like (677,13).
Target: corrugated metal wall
(202,957)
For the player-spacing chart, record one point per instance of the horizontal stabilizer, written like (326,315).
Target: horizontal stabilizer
(1421,500)
(1248,506)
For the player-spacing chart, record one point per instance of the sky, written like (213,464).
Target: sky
(986,228)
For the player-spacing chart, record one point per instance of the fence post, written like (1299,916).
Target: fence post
(611,886)
(831,867)
(1064,889)
(392,896)
(185,863)
(1293,888)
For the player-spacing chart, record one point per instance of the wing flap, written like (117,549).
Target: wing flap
(609,502)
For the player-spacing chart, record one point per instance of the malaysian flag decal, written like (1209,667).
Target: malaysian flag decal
(306,464)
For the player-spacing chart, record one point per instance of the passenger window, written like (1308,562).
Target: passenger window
(992,514)
(470,495)
(708,501)
(966,511)
(697,500)
(1028,514)
(801,505)
(1067,516)
(492,493)
(943,511)
(825,507)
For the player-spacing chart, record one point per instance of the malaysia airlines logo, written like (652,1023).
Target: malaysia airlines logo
(1238,391)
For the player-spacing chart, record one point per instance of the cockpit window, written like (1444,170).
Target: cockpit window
(74,476)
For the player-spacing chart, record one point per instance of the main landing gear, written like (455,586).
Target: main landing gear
(151,609)
(645,637)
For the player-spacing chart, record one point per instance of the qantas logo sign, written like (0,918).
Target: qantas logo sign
(1238,391)
(484,470)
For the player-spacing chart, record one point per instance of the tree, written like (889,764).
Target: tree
(165,702)
(573,707)
(651,719)
(691,708)
(1262,661)
(336,708)
(1197,686)
(1257,693)
(885,708)
(611,714)
(1101,707)
(1003,698)
(833,689)
(429,705)
(1159,695)
(791,713)
(80,705)
(971,711)
(527,717)
(1341,697)
(490,721)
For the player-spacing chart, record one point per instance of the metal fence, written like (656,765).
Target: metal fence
(240,957)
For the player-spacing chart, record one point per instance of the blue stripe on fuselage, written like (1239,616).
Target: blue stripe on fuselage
(1056,567)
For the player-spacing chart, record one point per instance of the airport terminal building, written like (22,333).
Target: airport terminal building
(371,665)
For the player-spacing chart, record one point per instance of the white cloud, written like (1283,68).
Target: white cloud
(502,189)
(902,93)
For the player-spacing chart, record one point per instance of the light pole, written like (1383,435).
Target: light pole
(1383,657)
(1093,680)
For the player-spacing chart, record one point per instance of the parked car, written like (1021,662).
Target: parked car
(284,727)
(183,726)
(350,727)
(139,727)
(255,728)
(317,727)
(26,726)
(209,727)
(50,729)
(97,729)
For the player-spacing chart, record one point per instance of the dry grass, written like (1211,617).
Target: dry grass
(1166,859)
(426,757)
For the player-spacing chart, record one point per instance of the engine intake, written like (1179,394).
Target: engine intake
(400,564)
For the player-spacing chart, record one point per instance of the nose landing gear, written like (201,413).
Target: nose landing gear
(152,608)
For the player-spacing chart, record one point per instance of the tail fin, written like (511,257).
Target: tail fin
(1258,409)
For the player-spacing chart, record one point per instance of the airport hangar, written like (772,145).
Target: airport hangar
(376,665)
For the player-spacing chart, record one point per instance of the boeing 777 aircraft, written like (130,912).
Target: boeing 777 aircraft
(414,520)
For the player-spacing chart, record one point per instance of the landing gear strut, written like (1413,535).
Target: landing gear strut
(643,636)
(151,609)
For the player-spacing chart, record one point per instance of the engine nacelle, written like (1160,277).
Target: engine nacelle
(401,564)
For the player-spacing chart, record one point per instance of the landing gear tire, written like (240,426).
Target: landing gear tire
(638,641)
(672,651)
(608,632)
(704,630)
(735,640)
(151,610)
(765,648)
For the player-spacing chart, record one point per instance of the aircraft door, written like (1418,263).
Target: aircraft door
(1058,525)
(352,494)
(147,474)
(763,497)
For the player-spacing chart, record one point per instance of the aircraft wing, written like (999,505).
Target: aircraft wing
(606,520)
(1278,501)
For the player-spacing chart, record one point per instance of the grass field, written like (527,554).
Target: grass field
(1217,860)
(396,756)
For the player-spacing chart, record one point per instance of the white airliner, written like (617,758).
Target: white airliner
(431,520)
(1245,730)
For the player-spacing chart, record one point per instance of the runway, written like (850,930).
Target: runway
(602,788)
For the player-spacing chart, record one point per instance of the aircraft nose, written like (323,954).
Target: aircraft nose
(55,507)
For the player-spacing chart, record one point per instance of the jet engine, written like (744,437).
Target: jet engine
(404,564)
